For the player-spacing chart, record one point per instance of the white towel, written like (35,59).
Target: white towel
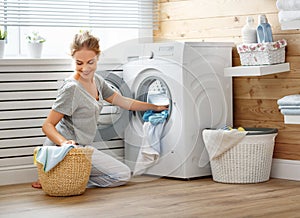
(290,111)
(292,100)
(289,107)
(149,152)
(217,142)
(285,16)
(288,5)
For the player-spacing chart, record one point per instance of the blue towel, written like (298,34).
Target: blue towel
(289,100)
(50,156)
(155,117)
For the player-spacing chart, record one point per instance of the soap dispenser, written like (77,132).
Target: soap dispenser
(264,31)
(249,34)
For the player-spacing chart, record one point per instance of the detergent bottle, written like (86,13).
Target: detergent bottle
(264,31)
(249,34)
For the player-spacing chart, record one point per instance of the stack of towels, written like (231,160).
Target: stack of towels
(289,105)
(289,10)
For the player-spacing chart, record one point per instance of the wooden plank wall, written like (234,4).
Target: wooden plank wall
(255,98)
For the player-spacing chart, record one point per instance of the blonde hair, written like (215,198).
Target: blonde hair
(85,40)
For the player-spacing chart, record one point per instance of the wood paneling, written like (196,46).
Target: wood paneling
(196,9)
(254,98)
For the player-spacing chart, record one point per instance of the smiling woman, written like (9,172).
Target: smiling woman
(115,21)
(74,114)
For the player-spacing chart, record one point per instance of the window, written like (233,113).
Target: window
(113,21)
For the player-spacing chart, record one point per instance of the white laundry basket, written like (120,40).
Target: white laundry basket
(247,162)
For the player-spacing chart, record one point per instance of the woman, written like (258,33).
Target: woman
(74,114)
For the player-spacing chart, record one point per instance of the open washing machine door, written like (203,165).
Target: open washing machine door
(113,120)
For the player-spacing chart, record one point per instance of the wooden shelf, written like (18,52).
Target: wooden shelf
(292,119)
(256,70)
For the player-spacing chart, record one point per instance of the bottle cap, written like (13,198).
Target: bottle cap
(262,19)
(250,20)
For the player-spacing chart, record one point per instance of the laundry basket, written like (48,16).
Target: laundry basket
(262,53)
(249,161)
(70,176)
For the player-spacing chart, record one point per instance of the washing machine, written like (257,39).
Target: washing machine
(113,120)
(190,77)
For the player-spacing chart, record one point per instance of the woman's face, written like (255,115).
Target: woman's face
(86,63)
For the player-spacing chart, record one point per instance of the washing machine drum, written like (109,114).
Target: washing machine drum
(113,120)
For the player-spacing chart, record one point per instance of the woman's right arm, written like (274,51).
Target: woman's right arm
(49,128)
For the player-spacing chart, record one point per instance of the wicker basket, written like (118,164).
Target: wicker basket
(70,176)
(262,53)
(249,161)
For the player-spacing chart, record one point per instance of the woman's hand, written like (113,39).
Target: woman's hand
(134,105)
(161,107)
(69,142)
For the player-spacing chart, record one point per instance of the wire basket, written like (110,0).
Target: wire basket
(249,161)
(70,176)
(262,53)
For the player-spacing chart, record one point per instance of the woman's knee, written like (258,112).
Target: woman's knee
(125,174)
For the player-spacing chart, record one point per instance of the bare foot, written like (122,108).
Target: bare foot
(36,184)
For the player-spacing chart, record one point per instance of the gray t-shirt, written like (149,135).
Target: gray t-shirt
(81,110)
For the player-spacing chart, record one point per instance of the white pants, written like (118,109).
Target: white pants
(107,171)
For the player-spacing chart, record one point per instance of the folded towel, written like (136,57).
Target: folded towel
(289,107)
(50,156)
(288,5)
(290,111)
(289,100)
(284,16)
(217,142)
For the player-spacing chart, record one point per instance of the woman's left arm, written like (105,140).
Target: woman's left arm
(134,105)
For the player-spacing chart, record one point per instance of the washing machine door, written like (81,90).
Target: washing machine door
(153,89)
(113,120)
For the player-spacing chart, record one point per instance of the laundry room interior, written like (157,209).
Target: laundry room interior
(195,57)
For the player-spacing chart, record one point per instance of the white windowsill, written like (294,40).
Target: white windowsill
(33,61)
(23,64)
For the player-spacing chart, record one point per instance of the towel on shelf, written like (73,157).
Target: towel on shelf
(292,100)
(218,141)
(50,156)
(149,152)
(284,16)
(289,107)
(288,5)
(290,111)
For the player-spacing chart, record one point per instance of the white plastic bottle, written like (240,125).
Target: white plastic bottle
(249,34)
